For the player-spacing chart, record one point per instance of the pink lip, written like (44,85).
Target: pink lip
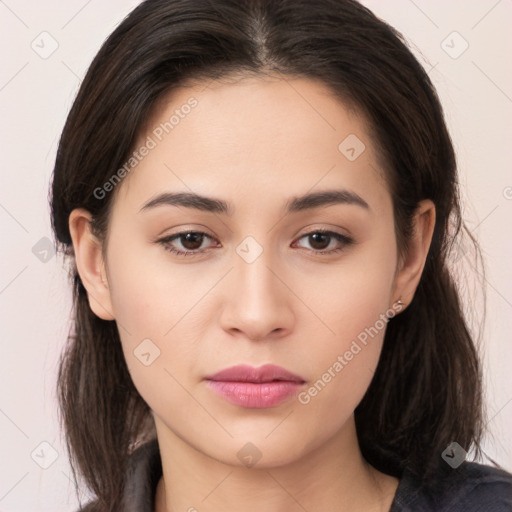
(266,386)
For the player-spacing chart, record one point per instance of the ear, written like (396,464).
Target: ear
(90,265)
(413,261)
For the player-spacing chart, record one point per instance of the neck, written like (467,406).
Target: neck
(333,476)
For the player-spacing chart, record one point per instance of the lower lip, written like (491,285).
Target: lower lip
(255,395)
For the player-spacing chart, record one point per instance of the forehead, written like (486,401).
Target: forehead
(253,135)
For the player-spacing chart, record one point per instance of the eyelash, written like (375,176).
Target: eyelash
(165,242)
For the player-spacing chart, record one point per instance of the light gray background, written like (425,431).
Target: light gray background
(35,96)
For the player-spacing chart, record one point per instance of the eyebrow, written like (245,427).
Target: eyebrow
(295,204)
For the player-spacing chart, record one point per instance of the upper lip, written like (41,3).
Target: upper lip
(246,373)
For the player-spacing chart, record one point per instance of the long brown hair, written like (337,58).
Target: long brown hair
(427,390)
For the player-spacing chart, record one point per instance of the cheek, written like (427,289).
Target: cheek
(355,310)
(344,366)
(149,295)
(351,296)
(159,321)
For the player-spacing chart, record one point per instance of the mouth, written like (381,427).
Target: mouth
(263,387)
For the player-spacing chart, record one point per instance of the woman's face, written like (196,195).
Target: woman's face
(263,285)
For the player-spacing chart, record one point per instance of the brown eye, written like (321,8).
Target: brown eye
(325,242)
(319,240)
(192,241)
(186,243)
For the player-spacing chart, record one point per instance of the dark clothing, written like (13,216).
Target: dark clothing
(476,488)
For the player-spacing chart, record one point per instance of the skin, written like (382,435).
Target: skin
(255,144)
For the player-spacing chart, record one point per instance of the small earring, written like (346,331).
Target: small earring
(399,303)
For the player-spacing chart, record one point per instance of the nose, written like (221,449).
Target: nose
(257,303)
